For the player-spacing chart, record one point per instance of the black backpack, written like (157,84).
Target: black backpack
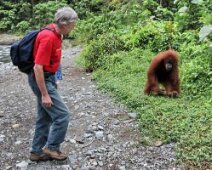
(21,52)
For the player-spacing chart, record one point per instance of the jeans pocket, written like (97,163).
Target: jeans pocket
(50,85)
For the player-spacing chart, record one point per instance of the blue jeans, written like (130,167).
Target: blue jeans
(51,122)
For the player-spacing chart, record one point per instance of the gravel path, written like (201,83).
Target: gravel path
(102,134)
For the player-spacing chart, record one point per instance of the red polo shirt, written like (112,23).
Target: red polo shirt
(47,49)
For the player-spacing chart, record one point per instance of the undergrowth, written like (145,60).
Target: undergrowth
(120,44)
(186,122)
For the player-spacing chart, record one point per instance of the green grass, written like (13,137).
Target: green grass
(119,49)
(184,121)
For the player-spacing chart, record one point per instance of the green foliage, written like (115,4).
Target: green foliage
(45,9)
(191,14)
(151,5)
(23,16)
(155,35)
(94,26)
(24,11)
(23,26)
(206,18)
(7,17)
(12,14)
(94,53)
(160,10)
(85,7)
(183,121)
(108,21)
(197,72)
(121,70)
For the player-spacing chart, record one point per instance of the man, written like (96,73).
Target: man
(52,114)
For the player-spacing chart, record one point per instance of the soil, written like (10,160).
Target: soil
(8,39)
(102,134)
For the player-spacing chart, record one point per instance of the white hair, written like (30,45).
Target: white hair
(64,16)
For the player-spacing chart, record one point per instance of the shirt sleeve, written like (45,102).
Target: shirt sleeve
(44,50)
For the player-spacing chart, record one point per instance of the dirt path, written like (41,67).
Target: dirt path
(101,135)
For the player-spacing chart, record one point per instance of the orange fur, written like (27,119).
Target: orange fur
(157,75)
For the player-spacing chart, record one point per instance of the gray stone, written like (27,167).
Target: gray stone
(22,165)
(132,115)
(99,134)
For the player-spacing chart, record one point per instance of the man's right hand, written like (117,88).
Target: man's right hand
(39,76)
(47,101)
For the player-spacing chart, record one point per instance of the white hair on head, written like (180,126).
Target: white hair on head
(64,16)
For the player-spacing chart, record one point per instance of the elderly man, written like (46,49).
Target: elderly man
(52,116)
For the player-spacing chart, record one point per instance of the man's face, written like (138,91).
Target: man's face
(65,29)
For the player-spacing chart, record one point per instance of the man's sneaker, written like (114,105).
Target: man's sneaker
(56,155)
(39,157)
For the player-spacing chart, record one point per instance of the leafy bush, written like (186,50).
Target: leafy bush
(23,16)
(7,17)
(85,7)
(127,15)
(155,35)
(23,26)
(190,14)
(46,9)
(93,27)
(13,14)
(105,45)
(197,71)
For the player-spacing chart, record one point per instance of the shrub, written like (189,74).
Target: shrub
(190,14)
(7,17)
(157,36)
(46,9)
(196,71)
(105,45)
(23,26)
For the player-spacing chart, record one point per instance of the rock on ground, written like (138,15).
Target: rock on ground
(102,134)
